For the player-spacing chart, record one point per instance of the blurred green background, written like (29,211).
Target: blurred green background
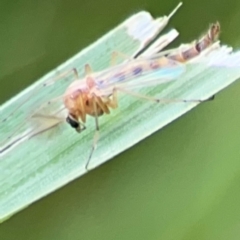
(180,183)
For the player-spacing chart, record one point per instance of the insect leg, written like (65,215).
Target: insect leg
(102,105)
(87,70)
(113,102)
(160,100)
(96,134)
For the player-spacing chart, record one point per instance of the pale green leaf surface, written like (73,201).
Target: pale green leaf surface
(42,164)
(46,162)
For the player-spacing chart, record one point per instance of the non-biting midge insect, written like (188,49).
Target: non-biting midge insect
(97,93)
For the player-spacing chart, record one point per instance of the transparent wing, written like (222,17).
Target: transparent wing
(156,77)
(129,75)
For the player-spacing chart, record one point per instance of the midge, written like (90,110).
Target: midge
(97,93)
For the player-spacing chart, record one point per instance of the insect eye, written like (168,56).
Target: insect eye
(73,122)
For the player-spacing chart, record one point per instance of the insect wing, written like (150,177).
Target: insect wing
(155,77)
(128,78)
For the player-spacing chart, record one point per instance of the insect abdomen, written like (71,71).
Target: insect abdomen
(187,53)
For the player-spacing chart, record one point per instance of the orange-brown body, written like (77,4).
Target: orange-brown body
(83,96)
(80,101)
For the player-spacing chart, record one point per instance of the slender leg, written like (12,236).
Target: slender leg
(9,145)
(113,102)
(82,107)
(96,134)
(161,100)
(87,70)
(102,105)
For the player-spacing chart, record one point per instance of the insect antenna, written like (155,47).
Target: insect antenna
(47,122)
(40,87)
(15,141)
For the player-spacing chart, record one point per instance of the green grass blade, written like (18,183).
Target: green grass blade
(37,167)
